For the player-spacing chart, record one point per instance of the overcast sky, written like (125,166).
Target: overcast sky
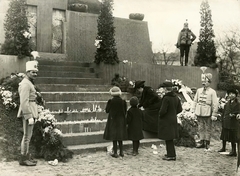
(166,17)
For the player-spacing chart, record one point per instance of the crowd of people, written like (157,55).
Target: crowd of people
(148,112)
(153,113)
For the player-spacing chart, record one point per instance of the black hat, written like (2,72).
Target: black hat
(139,84)
(166,84)
(235,91)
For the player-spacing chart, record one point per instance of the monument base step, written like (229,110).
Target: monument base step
(90,148)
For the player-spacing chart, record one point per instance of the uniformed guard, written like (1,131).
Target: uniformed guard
(28,111)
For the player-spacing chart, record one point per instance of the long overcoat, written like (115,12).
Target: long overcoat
(167,119)
(134,121)
(116,128)
(230,122)
(151,102)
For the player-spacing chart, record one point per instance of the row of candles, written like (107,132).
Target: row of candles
(96,108)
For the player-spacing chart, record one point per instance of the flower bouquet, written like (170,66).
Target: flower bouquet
(47,138)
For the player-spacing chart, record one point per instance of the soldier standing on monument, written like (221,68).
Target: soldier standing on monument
(185,39)
(28,111)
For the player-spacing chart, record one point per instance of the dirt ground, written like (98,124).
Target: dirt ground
(190,162)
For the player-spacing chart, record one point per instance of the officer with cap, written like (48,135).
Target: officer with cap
(205,107)
(28,111)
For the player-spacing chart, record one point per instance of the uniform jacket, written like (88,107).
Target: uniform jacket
(186,37)
(205,103)
(116,123)
(134,121)
(167,120)
(230,122)
(28,107)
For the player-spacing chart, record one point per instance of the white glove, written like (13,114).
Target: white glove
(31,121)
(213,118)
(238,117)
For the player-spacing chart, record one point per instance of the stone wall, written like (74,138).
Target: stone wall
(132,38)
(11,64)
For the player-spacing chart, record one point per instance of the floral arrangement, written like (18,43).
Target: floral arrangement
(47,138)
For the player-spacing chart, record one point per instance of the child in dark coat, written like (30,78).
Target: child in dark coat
(230,122)
(134,121)
(116,127)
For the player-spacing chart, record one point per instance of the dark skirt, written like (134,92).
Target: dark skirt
(229,135)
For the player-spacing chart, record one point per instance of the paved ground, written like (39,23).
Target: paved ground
(190,162)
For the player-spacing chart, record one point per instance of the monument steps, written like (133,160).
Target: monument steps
(68,80)
(67,74)
(73,93)
(77,96)
(73,87)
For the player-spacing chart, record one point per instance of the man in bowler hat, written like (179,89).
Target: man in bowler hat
(167,120)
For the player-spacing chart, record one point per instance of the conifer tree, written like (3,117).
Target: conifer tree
(106,52)
(206,50)
(15,26)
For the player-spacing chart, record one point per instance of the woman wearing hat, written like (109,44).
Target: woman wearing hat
(230,122)
(151,102)
(116,129)
(167,120)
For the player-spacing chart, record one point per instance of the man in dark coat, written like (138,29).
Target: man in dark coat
(151,102)
(167,121)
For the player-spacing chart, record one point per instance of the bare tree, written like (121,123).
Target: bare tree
(229,55)
(164,57)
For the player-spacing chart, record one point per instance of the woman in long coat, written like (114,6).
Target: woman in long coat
(151,102)
(116,129)
(167,120)
(230,122)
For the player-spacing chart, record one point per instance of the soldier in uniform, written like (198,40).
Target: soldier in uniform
(28,111)
(205,107)
(184,42)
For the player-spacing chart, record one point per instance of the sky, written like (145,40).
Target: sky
(165,18)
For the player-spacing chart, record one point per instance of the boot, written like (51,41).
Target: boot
(30,158)
(181,61)
(23,161)
(233,152)
(186,61)
(223,149)
(115,155)
(207,144)
(201,145)
(121,148)
(135,148)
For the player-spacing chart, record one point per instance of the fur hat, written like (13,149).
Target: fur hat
(185,25)
(134,101)
(115,91)
(235,91)
(139,84)
(208,77)
(31,66)
(166,84)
